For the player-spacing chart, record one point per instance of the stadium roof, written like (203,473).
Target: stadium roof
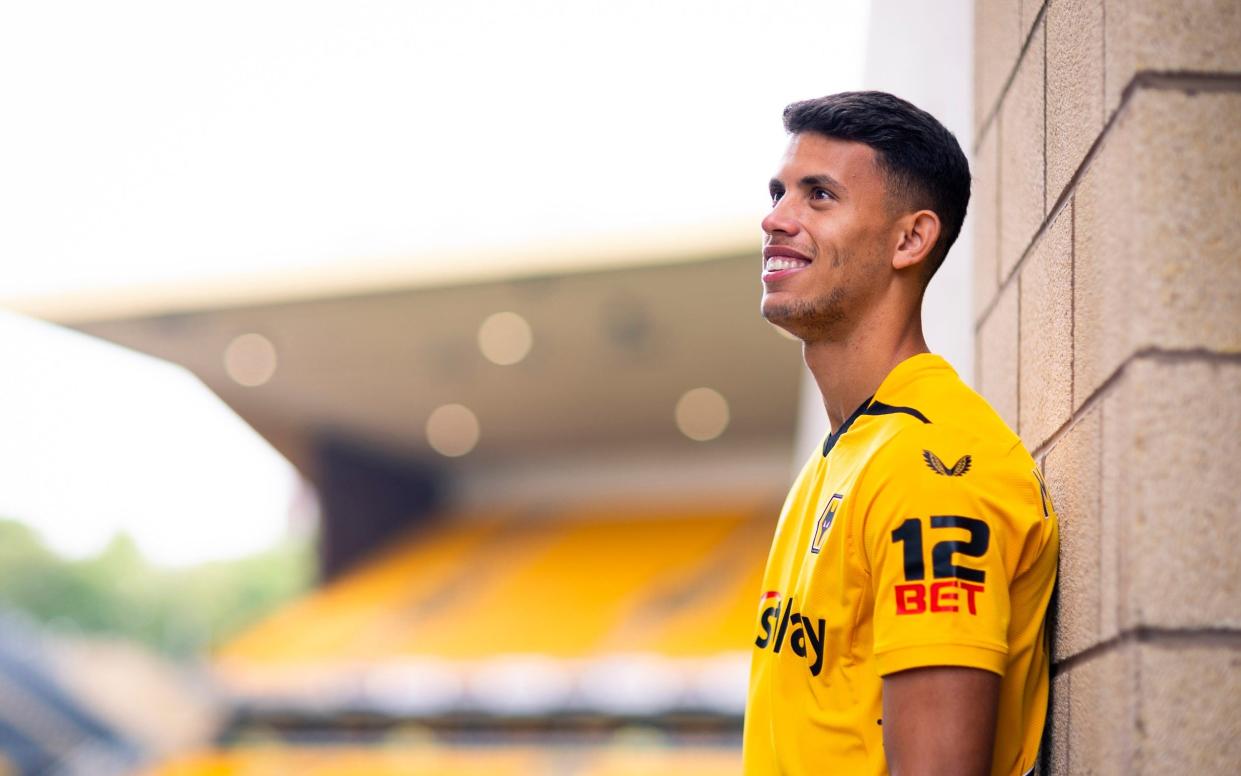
(622,327)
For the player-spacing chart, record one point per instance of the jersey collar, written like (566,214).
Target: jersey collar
(830,442)
(901,376)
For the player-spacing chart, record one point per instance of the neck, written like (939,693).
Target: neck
(850,369)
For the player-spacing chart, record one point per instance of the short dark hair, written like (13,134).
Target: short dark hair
(920,160)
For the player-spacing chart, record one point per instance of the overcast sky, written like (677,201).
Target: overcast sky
(150,142)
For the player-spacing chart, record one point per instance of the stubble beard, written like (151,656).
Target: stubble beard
(808,319)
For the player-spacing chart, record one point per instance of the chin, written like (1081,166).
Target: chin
(782,318)
(785,310)
(803,319)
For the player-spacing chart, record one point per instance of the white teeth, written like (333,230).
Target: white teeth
(784,262)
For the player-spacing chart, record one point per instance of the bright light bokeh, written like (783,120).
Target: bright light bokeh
(149,142)
(250,360)
(702,414)
(505,338)
(452,430)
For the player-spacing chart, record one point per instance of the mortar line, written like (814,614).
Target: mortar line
(1222,637)
(998,201)
(1160,355)
(1142,80)
(1012,74)
(1135,708)
(1162,81)
(1072,302)
(1186,80)
(1017,409)
(1044,119)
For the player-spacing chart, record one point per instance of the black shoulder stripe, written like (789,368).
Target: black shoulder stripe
(879,408)
(869,407)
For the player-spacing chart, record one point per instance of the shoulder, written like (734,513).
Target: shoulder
(957,487)
(946,450)
(946,468)
(945,432)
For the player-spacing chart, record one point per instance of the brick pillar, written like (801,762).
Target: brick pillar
(1107,167)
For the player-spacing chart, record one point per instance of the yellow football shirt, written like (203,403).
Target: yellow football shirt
(920,535)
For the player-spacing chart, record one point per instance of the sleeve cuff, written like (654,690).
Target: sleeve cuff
(904,658)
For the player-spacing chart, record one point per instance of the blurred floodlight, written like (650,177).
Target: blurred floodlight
(250,360)
(452,430)
(702,414)
(505,338)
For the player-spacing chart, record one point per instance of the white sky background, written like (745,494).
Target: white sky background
(147,142)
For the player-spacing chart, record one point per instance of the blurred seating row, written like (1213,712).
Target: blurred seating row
(481,626)
(567,584)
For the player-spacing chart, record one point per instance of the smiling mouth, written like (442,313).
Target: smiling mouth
(778,263)
(777,267)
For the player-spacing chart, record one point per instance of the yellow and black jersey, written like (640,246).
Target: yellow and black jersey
(920,535)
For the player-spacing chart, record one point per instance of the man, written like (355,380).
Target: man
(901,621)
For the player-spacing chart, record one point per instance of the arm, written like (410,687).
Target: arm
(940,721)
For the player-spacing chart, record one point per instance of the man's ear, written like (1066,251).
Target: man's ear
(918,235)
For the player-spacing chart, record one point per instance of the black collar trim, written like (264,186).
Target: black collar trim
(869,407)
(879,408)
(830,442)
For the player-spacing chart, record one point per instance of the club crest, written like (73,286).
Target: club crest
(824,523)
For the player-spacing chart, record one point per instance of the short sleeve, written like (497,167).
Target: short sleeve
(935,540)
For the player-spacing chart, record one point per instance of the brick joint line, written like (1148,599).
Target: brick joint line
(1144,79)
(1186,80)
(994,110)
(1159,355)
(1072,303)
(1223,637)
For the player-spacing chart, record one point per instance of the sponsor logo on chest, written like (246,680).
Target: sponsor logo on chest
(781,626)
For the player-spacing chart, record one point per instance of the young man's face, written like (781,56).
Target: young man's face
(825,253)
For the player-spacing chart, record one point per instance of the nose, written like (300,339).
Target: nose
(782,219)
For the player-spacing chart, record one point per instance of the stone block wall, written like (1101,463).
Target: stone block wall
(1107,202)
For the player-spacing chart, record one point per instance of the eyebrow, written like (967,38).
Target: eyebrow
(823,179)
(809,181)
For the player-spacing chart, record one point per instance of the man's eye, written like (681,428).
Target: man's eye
(775,196)
(821,194)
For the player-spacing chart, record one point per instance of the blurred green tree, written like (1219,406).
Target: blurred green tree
(178,611)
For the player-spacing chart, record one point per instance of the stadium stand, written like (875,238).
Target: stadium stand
(564,640)
(573,585)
